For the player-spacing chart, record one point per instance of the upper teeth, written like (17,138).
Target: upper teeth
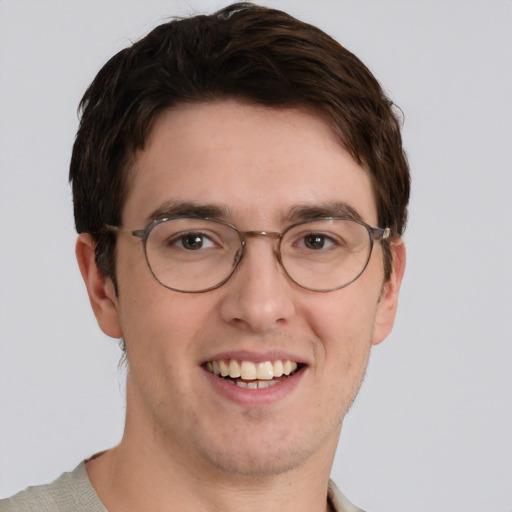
(248,370)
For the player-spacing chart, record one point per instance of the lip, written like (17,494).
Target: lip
(256,357)
(255,397)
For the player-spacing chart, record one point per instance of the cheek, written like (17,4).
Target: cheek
(146,308)
(343,322)
(346,320)
(343,339)
(159,335)
(160,324)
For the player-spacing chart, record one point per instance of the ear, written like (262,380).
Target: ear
(388,302)
(100,288)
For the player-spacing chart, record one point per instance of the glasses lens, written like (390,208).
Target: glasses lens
(326,254)
(192,254)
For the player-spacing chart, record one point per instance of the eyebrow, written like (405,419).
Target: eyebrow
(305,212)
(173,208)
(297,213)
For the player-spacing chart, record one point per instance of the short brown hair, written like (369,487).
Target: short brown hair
(248,52)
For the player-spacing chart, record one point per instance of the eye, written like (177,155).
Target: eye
(192,241)
(316,241)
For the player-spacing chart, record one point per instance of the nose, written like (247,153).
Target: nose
(258,297)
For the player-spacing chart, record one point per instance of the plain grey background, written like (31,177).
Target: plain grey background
(432,427)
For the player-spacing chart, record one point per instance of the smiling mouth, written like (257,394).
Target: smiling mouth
(251,375)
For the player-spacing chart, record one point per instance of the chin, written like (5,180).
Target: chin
(262,453)
(259,465)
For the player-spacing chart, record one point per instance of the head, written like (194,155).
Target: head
(262,121)
(250,53)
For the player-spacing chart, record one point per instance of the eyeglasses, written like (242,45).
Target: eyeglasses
(194,255)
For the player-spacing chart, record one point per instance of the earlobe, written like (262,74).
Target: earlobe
(100,288)
(388,303)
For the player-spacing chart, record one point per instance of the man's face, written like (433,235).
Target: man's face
(255,164)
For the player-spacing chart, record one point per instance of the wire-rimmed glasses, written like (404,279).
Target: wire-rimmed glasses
(194,255)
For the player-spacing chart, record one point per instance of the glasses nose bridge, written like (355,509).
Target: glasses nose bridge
(267,234)
(273,235)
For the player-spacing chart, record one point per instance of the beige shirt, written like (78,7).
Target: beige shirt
(73,492)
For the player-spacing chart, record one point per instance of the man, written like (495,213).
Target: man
(240,191)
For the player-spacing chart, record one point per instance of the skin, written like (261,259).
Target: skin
(246,452)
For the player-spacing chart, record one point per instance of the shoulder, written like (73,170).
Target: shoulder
(338,501)
(70,492)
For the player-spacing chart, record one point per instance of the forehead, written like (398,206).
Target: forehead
(253,162)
